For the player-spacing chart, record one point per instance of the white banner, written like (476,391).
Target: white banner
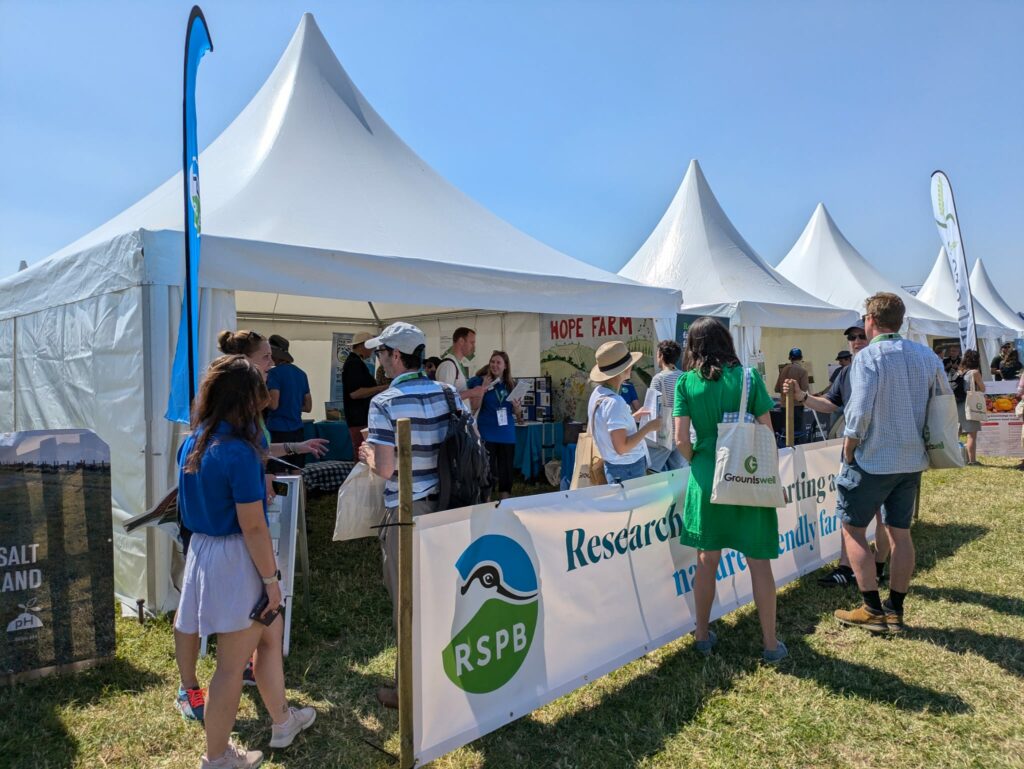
(507,599)
(949,233)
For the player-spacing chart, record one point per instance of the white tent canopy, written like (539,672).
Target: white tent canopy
(985,291)
(824,263)
(696,248)
(939,290)
(312,209)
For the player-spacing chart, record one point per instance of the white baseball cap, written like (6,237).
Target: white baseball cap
(404,337)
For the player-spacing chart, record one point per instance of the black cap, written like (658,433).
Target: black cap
(844,354)
(858,326)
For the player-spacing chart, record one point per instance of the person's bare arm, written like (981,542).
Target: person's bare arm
(367,392)
(624,444)
(813,402)
(275,399)
(307,403)
(682,437)
(257,541)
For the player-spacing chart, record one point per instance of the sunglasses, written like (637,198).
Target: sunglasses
(855,337)
(382,350)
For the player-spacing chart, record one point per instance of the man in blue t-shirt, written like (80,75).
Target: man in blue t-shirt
(289,398)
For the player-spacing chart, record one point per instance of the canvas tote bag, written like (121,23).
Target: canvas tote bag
(974,406)
(746,460)
(360,504)
(942,427)
(588,470)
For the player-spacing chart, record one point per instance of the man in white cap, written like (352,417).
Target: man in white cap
(357,387)
(399,349)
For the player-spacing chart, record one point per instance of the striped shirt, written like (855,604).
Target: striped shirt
(665,383)
(890,381)
(422,400)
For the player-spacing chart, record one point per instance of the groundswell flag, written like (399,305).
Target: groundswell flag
(949,234)
(185,371)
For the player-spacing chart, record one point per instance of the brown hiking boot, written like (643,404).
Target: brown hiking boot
(894,620)
(863,617)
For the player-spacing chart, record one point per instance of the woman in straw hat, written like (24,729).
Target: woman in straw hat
(612,424)
(712,388)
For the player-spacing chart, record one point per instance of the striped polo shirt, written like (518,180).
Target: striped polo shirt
(422,400)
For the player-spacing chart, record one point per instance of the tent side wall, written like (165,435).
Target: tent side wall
(81,365)
(819,349)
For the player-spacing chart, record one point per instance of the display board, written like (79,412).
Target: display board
(56,552)
(520,603)
(537,406)
(1000,436)
(284,515)
(341,347)
(568,344)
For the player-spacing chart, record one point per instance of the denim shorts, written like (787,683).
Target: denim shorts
(620,473)
(860,494)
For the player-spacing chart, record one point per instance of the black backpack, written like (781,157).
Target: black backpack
(463,467)
(959,385)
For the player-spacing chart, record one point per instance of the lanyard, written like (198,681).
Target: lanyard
(885,338)
(407,377)
(500,393)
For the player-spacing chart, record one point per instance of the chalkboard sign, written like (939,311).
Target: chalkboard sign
(56,552)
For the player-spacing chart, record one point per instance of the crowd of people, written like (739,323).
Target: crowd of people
(248,412)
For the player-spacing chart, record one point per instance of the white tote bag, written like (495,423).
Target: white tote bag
(360,504)
(746,460)
(974,406)
(942,427)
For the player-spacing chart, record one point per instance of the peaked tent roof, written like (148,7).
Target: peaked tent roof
(939,290)
(824,263)
(697,249)
(985,290)
(309,165)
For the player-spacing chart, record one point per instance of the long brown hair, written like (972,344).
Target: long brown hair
(232,391)
(970,361)
(241,342)
(506,378)
(709,348)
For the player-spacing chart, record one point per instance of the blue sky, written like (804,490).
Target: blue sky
(573,120)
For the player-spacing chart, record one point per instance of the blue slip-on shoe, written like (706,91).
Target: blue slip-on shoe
(705,647)
(779,653)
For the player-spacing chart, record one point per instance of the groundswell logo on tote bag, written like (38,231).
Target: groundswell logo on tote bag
(498,593)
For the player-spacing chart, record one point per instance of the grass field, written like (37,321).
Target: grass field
(949,693)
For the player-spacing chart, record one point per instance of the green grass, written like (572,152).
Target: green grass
(947,694)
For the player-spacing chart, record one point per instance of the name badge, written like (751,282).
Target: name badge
(503,418)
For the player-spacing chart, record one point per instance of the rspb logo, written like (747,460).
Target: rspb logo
(497,610)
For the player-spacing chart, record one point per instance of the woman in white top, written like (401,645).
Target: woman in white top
(612,424)
(970,370)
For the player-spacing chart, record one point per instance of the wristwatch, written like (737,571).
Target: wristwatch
(276,577)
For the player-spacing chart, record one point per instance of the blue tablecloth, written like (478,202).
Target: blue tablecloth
(340,448)
(568,463)
(536,443)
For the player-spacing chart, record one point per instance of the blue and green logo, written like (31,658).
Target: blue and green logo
(498,588)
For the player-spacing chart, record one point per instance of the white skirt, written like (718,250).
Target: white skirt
(221,586)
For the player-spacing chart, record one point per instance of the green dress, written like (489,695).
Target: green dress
(753,531)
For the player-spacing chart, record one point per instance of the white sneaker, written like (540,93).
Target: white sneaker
(299,719)
(234,757)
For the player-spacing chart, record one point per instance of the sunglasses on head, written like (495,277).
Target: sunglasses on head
(855,337)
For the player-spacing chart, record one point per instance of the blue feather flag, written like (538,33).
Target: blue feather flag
(185,371)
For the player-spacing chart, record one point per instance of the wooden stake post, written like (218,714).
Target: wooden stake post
(789,418)
(405,593)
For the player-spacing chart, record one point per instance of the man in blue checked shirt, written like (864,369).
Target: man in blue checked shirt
(399,349)
(883,457)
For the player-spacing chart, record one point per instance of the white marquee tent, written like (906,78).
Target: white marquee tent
(939,290)
(696,248)
(985,291)
(312,209)
(824,263)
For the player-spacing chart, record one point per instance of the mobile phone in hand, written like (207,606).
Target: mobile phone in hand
(258,609)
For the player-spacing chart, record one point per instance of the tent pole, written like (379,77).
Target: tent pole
(405,698)
(376,317)
(789,418)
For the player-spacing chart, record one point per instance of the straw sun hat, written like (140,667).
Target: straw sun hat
(612,359)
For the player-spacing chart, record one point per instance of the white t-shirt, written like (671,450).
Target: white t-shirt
(450,370)
(612,414)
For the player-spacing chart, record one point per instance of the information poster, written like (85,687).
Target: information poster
(568,344)
(341,346)
(56,551)
(1000,436)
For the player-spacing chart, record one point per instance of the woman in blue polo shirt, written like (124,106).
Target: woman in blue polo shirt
(231,562)
(496,420)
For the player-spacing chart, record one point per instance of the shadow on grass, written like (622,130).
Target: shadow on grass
(1006,652)
(36,737)
(1013,607)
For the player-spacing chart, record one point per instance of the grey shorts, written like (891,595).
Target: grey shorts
(220,588)
(860,494)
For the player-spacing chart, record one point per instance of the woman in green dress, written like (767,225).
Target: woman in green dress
(711,388)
